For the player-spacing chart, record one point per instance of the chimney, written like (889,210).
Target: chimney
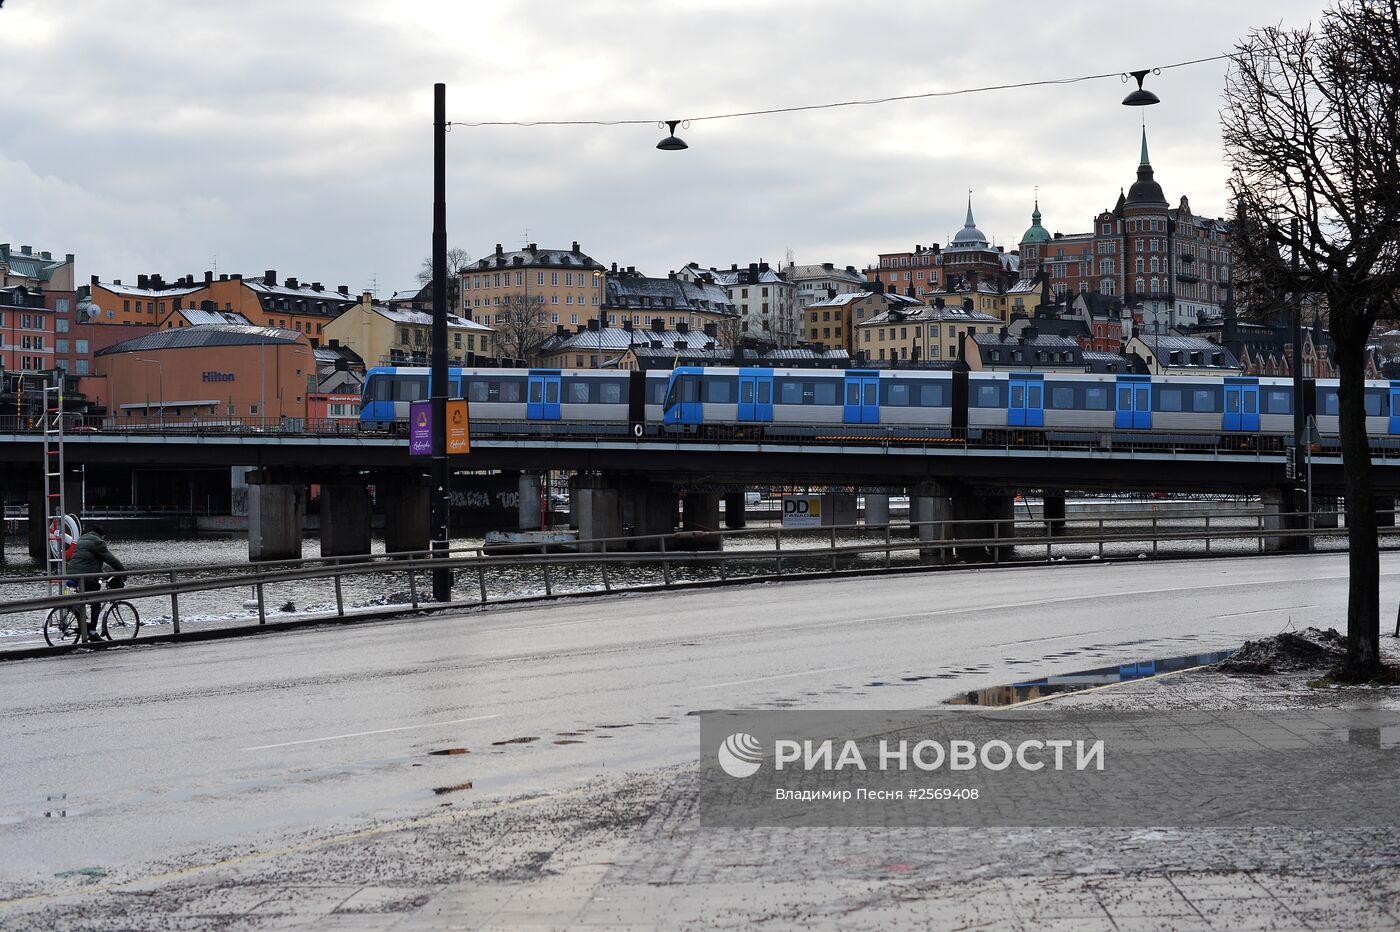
(116,281)
(237,276)
(366,297)
(1028,334)
(614,268)
(343,289)
(157,282)
(711,329)
(658,324)
(143,281)
(26,250)
(1003,334)
(292,283)
(333,344)
(627,324)
(938,303)
(593,324)
(682,327)
(68,258)
(315,286)
(223,276)
(967,304)
(558,330)
(733,266)
(342,364)
(270,277)
(95,281)
(671,275)
(208,306)
(575,249)
(830,267)
(208,277)
(500,251)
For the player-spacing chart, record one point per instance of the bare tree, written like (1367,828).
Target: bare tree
(457,260)
(521,326)
(1311,127)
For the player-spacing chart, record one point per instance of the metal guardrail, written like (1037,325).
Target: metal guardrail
(934,542)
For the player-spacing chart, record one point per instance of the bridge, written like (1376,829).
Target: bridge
(625,483)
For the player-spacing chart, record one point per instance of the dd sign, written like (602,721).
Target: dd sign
(802,511)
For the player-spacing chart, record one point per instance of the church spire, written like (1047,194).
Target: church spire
(969,222)
(1144,161)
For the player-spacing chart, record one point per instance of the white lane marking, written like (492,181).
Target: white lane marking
(360,734)
(776,676)
(1266,611)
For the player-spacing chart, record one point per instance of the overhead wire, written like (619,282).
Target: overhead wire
(870,102)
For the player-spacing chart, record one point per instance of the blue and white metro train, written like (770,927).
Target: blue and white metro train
(831,405)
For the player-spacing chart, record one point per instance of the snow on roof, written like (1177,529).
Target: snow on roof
(423,318)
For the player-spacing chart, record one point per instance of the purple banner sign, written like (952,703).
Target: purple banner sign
(420,428)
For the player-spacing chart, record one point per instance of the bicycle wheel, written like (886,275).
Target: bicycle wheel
(121,620)
(61,627)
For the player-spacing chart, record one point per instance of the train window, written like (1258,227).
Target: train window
(1125,398)
(656,391)
(1096,398)
(1373,402)
(826,393)
(477,390)
(1278,401)
(411,388)
(1169,399)
(578,392)
(765,393)
(690,389)
(898,395)
(610,393)
(381,388)
(988,396)
(510,392)
(1327,402)
(852,393)
(536,392)
(789,393)
(1203,399)
(1062,396)
(719,390)
(931,395)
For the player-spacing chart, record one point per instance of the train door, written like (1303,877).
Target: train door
(1241,406)
(862,397)
(1395,407)
(683,397)
(756,395)
(1133,409)
(1025,401)
(542,400)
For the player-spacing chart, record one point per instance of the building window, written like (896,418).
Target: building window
(554,278)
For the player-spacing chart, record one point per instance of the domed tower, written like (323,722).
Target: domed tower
(1033,244)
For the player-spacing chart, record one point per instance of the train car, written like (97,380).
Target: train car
(807,402)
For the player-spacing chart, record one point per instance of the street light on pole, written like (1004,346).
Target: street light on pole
(160,377)
(441,476)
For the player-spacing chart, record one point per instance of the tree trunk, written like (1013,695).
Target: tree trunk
(1363,599)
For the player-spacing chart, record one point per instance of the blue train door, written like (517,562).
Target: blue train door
(683,397)
(1241,406)
(1395,407)
(756,395)
(542,399)
(1133,409)
(862,397)
(1025,401)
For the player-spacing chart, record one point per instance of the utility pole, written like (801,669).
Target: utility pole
(1301,499)
(439,495)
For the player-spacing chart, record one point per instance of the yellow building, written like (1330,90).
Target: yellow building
(385,336)
(920,334)
(1020,298)
(828,323)
(524,295)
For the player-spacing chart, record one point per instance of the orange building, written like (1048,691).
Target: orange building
(147,302)
(293,305)
(209,374)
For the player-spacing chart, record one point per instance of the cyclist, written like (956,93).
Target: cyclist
(90,555)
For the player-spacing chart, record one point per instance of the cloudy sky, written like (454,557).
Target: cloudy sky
(168,136)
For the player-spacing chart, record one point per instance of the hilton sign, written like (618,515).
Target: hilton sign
(217,377)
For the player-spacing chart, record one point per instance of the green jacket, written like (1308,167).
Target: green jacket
(91,554)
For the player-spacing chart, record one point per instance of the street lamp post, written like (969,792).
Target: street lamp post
(441,477)
(160,377)
(1302,491)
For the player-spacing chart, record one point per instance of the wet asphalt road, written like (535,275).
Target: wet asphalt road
(140,760)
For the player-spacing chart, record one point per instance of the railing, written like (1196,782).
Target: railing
(934,542)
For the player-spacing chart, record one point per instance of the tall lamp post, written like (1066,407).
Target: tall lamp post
(160,377)
(1302,487)
(441,476)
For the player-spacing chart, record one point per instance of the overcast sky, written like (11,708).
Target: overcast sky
(157,135)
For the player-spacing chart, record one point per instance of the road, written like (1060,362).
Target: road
(141,760)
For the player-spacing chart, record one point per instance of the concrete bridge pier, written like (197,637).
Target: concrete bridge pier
(530,502)
(1053,511)
(701,515)
(407,524)
(345,519)
(597,502)
(877,510)
(735,510)
(1327,511)
(275,509)
(932,502)
(1277,504)
(648,509)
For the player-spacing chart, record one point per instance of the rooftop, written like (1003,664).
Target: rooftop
(208,335)
(532,255)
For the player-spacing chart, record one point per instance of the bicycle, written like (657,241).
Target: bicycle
(119,620)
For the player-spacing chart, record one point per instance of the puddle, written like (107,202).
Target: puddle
(447,751)
(513,741)
(442,790)
(1087,679)
(568,741)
